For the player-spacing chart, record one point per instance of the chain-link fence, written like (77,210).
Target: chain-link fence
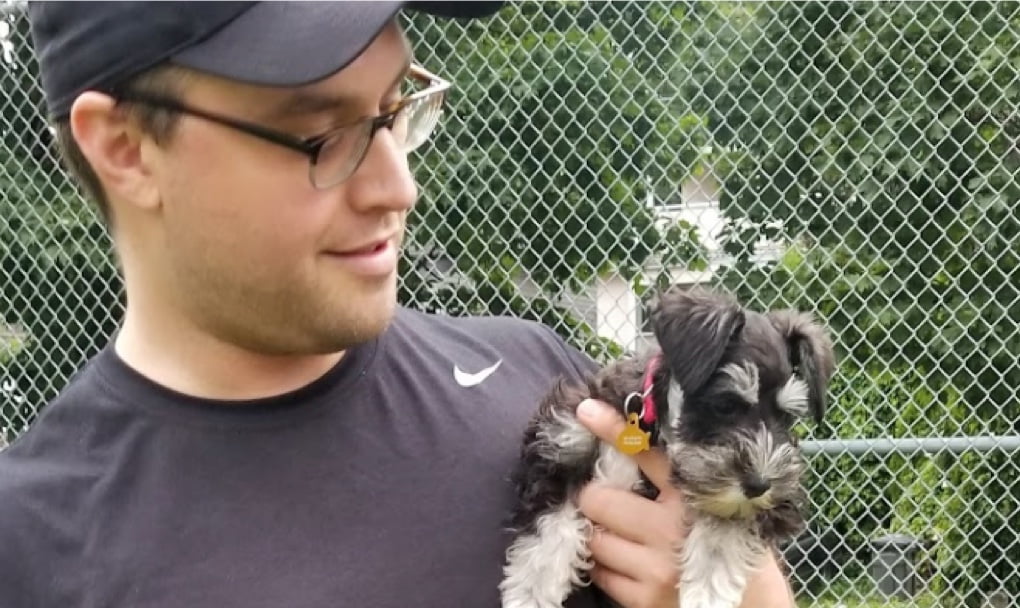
(856,160)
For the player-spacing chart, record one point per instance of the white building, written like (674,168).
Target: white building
(618,309)
(610,305)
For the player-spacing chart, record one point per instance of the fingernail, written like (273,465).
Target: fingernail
(587,409)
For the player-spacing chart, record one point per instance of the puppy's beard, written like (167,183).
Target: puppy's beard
(710,475)
(731,503)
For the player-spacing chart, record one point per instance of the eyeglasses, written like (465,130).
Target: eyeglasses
(336,154)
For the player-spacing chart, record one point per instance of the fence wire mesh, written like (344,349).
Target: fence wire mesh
(852,159)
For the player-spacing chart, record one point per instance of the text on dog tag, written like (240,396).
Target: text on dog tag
(632,440)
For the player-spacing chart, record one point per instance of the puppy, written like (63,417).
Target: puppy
(719,396)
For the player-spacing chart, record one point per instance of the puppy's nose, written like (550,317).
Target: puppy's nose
(755,485)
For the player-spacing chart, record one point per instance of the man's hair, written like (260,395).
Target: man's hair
(164,80)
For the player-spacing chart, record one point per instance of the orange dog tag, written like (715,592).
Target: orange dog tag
(632,440)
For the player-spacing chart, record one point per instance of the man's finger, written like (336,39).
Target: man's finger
(629,515)
(633,560)
(607,424)
(624,590)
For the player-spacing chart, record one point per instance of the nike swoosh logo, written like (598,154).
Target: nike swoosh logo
(465,379)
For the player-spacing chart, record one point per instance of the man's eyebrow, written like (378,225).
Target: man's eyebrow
(310,101)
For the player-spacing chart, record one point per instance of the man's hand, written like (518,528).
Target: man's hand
(634,544)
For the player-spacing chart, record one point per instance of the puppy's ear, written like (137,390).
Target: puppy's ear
(694,328)
(811,352)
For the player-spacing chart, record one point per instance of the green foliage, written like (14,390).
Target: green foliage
(961,506)
(965,506)
(861,593)
(11,343)
(968,506)
(880,137)
(856,494)
(884,134)
(544,166)
(59,285)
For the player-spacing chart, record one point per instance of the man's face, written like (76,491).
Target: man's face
(254,253)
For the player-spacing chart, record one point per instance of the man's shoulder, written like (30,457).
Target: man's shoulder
(46,475)
(50,455)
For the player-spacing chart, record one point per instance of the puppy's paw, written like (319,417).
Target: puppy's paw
(526,602)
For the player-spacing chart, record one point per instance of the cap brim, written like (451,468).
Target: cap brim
(456,8)
(295,43)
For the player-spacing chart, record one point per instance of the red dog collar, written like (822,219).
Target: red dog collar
(647,405)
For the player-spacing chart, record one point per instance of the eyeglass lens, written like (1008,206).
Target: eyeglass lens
(341,154)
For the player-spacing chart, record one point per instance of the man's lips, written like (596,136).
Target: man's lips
(365,247)
(376,258)
(366,250)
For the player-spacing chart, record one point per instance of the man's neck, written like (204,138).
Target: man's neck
(182,358)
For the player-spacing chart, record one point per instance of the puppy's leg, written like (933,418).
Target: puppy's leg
(717,559)
(615,470)
(549,553)
(544,566)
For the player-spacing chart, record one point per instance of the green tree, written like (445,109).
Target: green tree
(883,134)
(544,166)
(57,280)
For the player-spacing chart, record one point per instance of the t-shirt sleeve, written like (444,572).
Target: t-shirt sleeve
(11,576)
(20,566)
(581,362)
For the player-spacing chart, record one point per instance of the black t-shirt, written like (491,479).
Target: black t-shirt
(383,484)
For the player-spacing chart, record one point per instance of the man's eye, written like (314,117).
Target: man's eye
(396,96)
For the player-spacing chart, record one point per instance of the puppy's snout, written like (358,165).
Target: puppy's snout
(755,485)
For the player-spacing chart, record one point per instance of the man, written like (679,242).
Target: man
(267,428)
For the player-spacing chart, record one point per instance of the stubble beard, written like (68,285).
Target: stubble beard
(297,320)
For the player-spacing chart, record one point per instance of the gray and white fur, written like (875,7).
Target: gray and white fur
(731,385)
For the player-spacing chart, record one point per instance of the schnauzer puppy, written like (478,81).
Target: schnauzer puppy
(719,396)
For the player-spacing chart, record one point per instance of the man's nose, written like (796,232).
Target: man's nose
(383,180)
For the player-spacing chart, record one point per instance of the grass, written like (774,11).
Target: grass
(861,593)
(926,600)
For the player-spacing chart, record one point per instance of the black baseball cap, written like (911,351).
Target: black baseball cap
(96,45)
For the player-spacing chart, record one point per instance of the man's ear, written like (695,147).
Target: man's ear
(113,145)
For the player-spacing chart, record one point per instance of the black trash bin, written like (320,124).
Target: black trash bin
(893,565)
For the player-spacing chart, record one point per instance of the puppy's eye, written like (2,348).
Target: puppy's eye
(730,406)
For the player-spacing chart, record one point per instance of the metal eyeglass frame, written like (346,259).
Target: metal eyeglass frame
(309,146)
